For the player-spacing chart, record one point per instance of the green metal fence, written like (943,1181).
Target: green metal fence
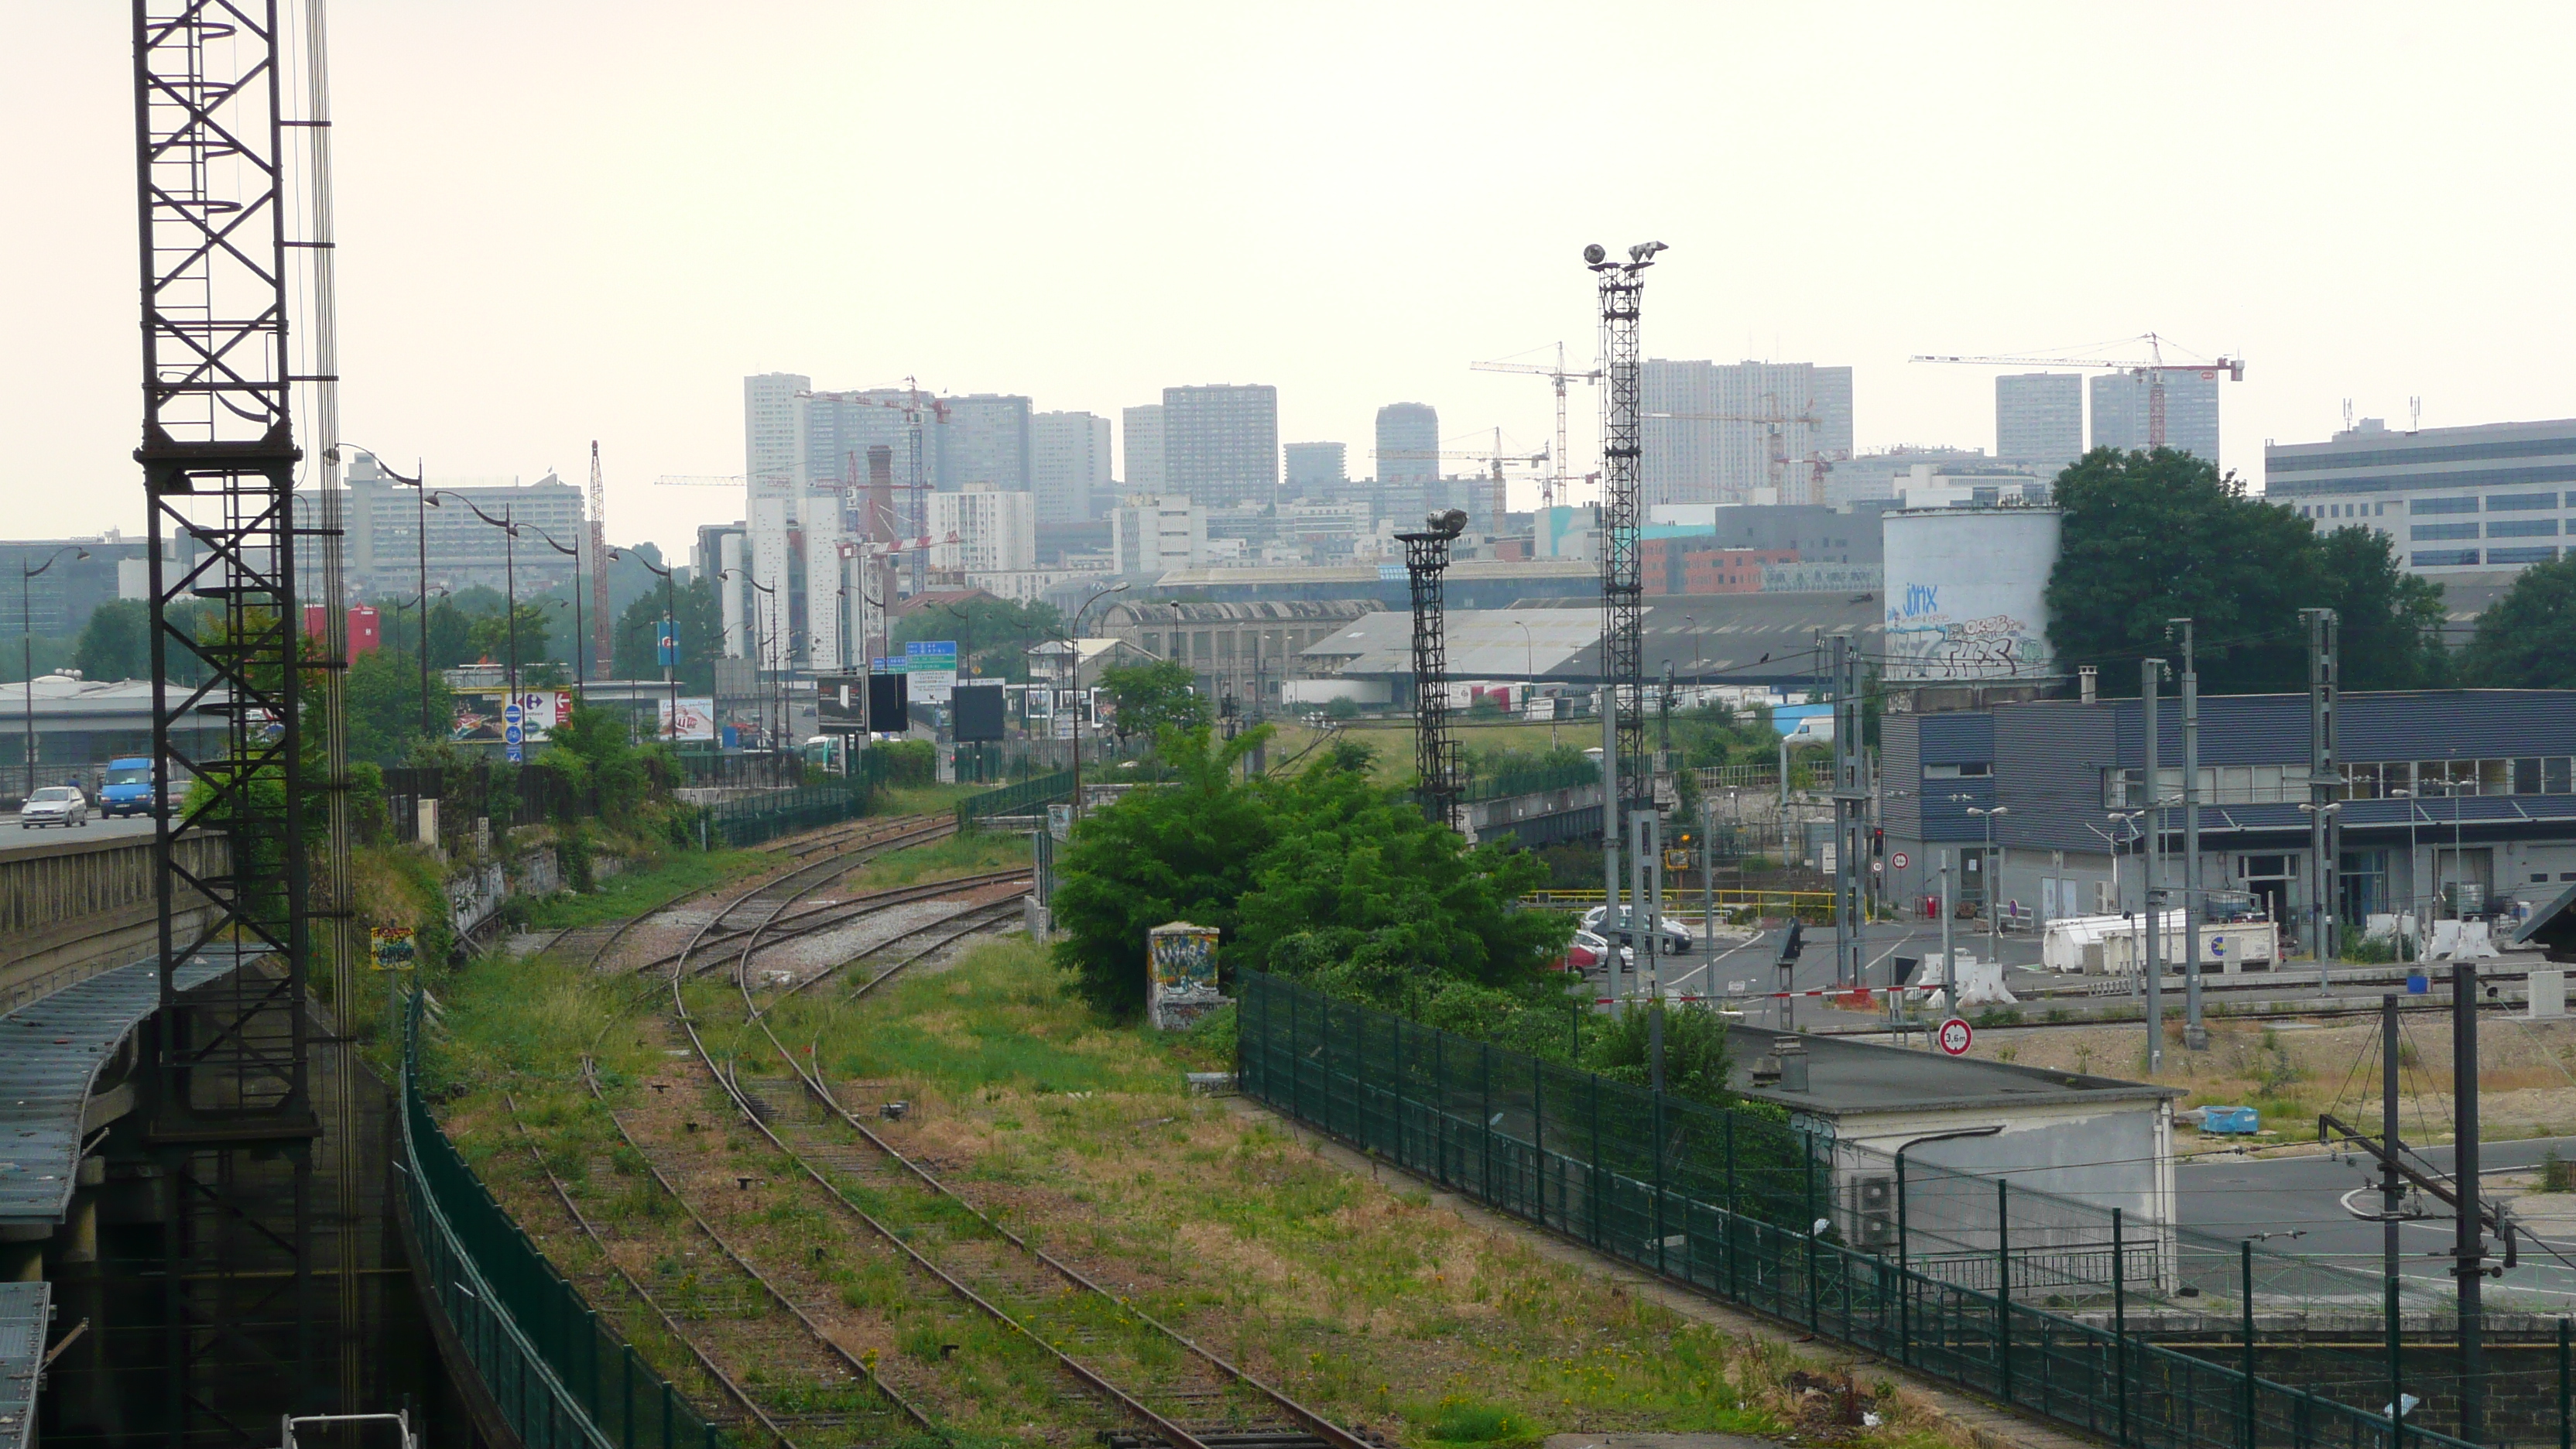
(562,1378)
(1750,1209)
(773,813)
(1018,797)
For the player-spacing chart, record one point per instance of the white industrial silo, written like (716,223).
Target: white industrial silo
(1967,593)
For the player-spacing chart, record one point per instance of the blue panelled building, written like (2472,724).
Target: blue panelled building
(2439,789)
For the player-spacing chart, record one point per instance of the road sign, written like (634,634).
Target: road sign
(1898,860)
(1955,1036)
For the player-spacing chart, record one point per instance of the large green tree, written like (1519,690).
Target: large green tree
(2152,536)
(2527,638)
(381,695)
(116,643)
(701,621)
(1152,698)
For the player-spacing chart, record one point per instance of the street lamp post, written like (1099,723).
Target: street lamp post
(422,502)
(509,595)
(580,683)
(2321,912)
(758,652)
(671,625)
(27,642)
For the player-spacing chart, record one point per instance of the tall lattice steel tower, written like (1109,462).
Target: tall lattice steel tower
(1622,286)
(232,1117)
(1435,754)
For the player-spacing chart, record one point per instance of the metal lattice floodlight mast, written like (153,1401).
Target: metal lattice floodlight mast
(218,461)
(1851,815)
(1622,287)
(1435,754)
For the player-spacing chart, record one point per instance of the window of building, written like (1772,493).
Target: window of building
(2424,532)
(2524,528)
(2525,555)
(1977,771)
(2519,502)
(2444,558)
(2463,504)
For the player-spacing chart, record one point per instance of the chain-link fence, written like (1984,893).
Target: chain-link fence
(752,819)
(560,1377)
(2111,1322)
(1017,798)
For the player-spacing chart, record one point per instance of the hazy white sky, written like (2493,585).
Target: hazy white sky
(565,221)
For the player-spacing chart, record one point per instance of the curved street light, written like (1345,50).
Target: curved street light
(510,590)
(670,620)
(421,504)
(579,680)
(1073,647)
(760,654)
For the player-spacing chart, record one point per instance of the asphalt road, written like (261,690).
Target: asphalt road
(14,838)
(2235,1197)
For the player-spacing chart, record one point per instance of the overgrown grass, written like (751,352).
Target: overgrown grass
(969,854)
(670,877)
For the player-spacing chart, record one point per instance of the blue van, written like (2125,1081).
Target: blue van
(126,788)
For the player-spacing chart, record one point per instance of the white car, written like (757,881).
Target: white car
(1674,939)
(54,805)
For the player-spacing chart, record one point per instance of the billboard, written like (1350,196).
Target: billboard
(979,712)
(931,664)
(841,704)
(693,719)
(889,703)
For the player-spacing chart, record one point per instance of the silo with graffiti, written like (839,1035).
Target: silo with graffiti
(1967,594)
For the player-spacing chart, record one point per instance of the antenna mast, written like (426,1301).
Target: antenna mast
(1622,288)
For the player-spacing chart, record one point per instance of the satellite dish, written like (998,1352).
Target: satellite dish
(1594,254)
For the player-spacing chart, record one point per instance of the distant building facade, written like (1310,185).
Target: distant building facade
(996,529)
(1068,465)
(1718,448)
(2039,417)
(1221,443)
(380,550)
(1314,467)
(2453,501)
(1408,443)
(1149,534)
(1143,469)
(2121,405)
(987,442)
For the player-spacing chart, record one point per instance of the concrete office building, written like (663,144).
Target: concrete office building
(2039,417)
(987,441)
(2488,800)
(1317,469)
(58,601)
(1872,477)
(2465,505)
(773,433)
(1149,535)
(1068,465)
(1704,459)
(1221,443)
(1408,443)
(1143,470)
(2120,408)
(380,549)
(996,529)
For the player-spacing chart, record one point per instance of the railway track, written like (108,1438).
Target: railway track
(589,945)
(1137,1373)
(707,1317)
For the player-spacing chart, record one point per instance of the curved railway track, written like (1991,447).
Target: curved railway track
(1145,1371)
(814,1350)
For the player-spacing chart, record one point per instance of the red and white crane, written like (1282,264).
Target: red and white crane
(2153,370)
(1551,484)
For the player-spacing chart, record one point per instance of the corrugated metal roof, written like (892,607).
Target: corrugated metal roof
(1285,611)
(50,1054)
(1717,638)
(25,1309)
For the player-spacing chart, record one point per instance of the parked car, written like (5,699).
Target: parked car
(1588,952)
(54,805)
(125,787)
(1673,938)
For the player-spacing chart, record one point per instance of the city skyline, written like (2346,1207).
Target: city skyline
(488,285)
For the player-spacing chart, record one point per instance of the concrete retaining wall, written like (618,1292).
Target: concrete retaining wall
(74,907)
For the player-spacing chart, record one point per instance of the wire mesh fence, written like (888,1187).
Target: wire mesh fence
(561,1378)
(1016,798)
(2109,1321)
(753,819)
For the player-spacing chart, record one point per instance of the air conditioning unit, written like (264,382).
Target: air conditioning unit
(1876,1200)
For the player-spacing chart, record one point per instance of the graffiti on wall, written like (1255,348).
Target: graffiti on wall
(1928,643)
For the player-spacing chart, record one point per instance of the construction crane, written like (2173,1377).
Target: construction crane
(912,402)
(1551,484)
(2153,370)
(602,635)
(1776,425)
(1497,459)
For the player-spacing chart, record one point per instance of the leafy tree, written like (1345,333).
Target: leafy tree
(491,636)
(2527,638)
(1696,1060)
(601,767)
(2151,536)
(382,698)
(993,636)
(1153,698)
(1178,852)
(701,621)
(2390,621)
(116,643)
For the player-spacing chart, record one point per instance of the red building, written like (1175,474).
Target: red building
(1698,566)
